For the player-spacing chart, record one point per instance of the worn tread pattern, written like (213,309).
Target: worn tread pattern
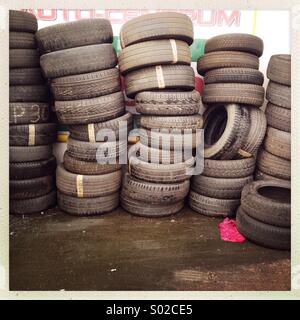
(29,153)
(30,93)
(278,143)
(278,117)
(22,21)
(26,76)
(279,69)
(24,58)
(279,94)
(259,175)
(22,40)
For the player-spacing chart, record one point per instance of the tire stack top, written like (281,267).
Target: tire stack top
(234,126)
(80,61)
(155,62)
(32,165)
(274,159)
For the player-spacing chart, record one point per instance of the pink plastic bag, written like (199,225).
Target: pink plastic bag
(229,232)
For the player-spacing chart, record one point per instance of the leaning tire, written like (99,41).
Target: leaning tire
(279,94)
(279,69)
(32,153)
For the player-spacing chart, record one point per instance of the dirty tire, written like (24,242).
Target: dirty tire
(278,143)
(21,40)
(31,170)
(28,113)
(278,117)
(34,205)
(161,25)
(226,59)
(273,165)
(87,206)
(89,132)
(78,60)
(152,53)
(279,69)
(174,77)
(92,110)
(22,21)
(166,103)
(38,93)
(279,94)
(228,188)
(226,144)
(213,207)
(29,153)
(149,210)
(234,75)
(32,135)
(87,85)
(74,34)
(242,93)
(262,233)
(259,175)
(25,76)
(24,58)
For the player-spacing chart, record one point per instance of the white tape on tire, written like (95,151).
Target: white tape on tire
(174,51)
(79,185)
(91,132)
(31,135)
(160,77)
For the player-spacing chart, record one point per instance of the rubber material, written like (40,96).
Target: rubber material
(21,40)
(279,94)
(37,93)
(278,143)
(26,76)
(32,153)
(279,69)
(23,58)
(22,21)
(278,117)
(28,113)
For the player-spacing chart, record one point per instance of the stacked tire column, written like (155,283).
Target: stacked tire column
(234,126)
(32,165)
(155,61)
(274,160)
(81,62)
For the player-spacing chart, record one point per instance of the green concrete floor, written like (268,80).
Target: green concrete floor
(117,251)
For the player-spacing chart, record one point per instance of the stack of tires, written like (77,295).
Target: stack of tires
(274,160)
(31,134)
(234,126)
(80,61)
(155,61)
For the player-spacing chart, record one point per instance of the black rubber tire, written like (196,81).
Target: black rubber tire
(235,42)
(87,206)
(28,113)
(78,60)
(228,188)
(164,103)
(32,135)
(238,168)
(74,34)
(267,207)
(273,165)
(279,69)
(226,59)
(213,207)
(263,234)
(32,169)
(22,40)
(259,175)
(234,75)
(31,188)
(34,205)
(160,25)
(278,143)
(90,110)
(87,167)
(89,132)
(32,153)
(227,144)
(24,58)
(37,93)
(149,210)
(279,94)
(25,76)
(241,93)
(22,21)
(278,117)
(174,77)
(152,53)
(87,85)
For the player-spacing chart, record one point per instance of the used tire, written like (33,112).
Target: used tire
(21,40)
(279,94)
(159,77)
(90,110)
(25,76)
(22,21)
(37,93)
(278,143)
(259,175)
(74,34)
(242,93)
(226,59)
(262,233)
(160,25)
(34,205)
(28,113)
(78,60)
(236,42)
(213,207)
(32,153)
(151,53)
(279,69)
(278,117)
(166,103)
(24,58)
(87,85)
